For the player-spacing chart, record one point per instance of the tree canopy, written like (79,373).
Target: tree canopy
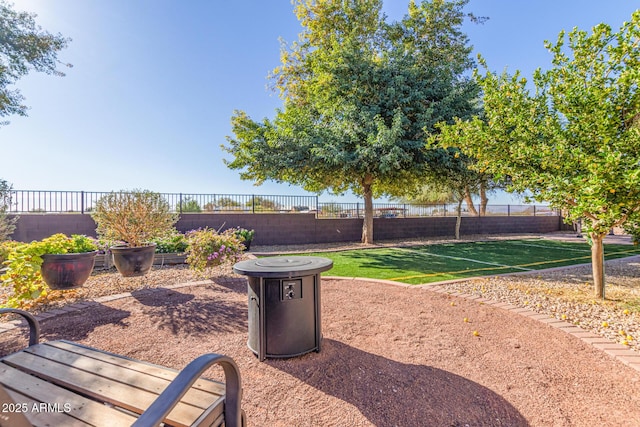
(575,141)
(360,97)
(24,46)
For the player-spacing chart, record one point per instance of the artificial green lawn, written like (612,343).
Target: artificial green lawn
(434,263)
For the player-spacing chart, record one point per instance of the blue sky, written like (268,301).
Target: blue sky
(154,84)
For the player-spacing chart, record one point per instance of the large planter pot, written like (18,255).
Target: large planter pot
(132,262)
(67,271)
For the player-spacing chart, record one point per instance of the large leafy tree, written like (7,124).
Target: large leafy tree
(575,141)
(360,97)
(24,46)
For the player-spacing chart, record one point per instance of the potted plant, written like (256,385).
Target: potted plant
(59,261)
(133,219)
(210,248)
(245,236)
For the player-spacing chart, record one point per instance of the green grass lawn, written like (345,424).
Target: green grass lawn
(434,263)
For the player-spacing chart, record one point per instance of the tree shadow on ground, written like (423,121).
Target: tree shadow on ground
(231,283)
(389,393)
(169,297)
(72,326)
(182,312)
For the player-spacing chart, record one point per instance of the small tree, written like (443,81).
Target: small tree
(451,171)
(227,203)
(575,142)
(262,204)
(7,225)
(190,205)
(24,46)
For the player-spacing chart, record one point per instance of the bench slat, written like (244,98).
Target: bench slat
(83,411)
(204,384)
(125,375)
(103,389)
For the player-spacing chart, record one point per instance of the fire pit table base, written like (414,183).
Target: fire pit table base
(291,320)
(284,304)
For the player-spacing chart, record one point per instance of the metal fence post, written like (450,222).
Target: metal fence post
(534,210)
(508,210)
(180,203)
(82,202)
(253,203)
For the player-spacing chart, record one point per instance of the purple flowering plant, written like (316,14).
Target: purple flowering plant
(208,247)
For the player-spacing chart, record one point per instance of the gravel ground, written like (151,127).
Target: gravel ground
(568,294)
(564,293)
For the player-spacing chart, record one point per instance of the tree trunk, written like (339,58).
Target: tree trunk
(469,200)
(458,219)
(597,264)
(367,223)
(483,198)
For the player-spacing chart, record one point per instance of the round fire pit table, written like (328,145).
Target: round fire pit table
(284,304)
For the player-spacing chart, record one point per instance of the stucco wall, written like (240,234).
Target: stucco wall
(278,229)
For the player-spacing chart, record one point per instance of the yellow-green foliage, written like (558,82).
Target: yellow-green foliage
(24,260)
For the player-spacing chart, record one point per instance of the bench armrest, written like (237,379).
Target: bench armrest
(34,326)
(165,402)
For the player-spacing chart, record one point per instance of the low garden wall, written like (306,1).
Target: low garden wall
(303,228)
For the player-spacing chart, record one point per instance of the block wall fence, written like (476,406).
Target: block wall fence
(283,229)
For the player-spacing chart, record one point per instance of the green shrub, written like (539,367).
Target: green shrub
(243,234)
(5,248)
(24,261)
(174,242)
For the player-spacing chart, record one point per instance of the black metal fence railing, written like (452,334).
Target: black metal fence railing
(398,210)
(35,201)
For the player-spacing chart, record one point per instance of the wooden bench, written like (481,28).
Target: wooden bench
(62,383)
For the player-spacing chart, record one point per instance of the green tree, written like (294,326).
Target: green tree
(7,225)
(228,203)
(575,142)
(24,46)
(258,203)
(451,172)
(437,190)
(360,97)
(190,205)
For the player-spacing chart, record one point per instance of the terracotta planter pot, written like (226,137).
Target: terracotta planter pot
(67,271)
(132,262)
